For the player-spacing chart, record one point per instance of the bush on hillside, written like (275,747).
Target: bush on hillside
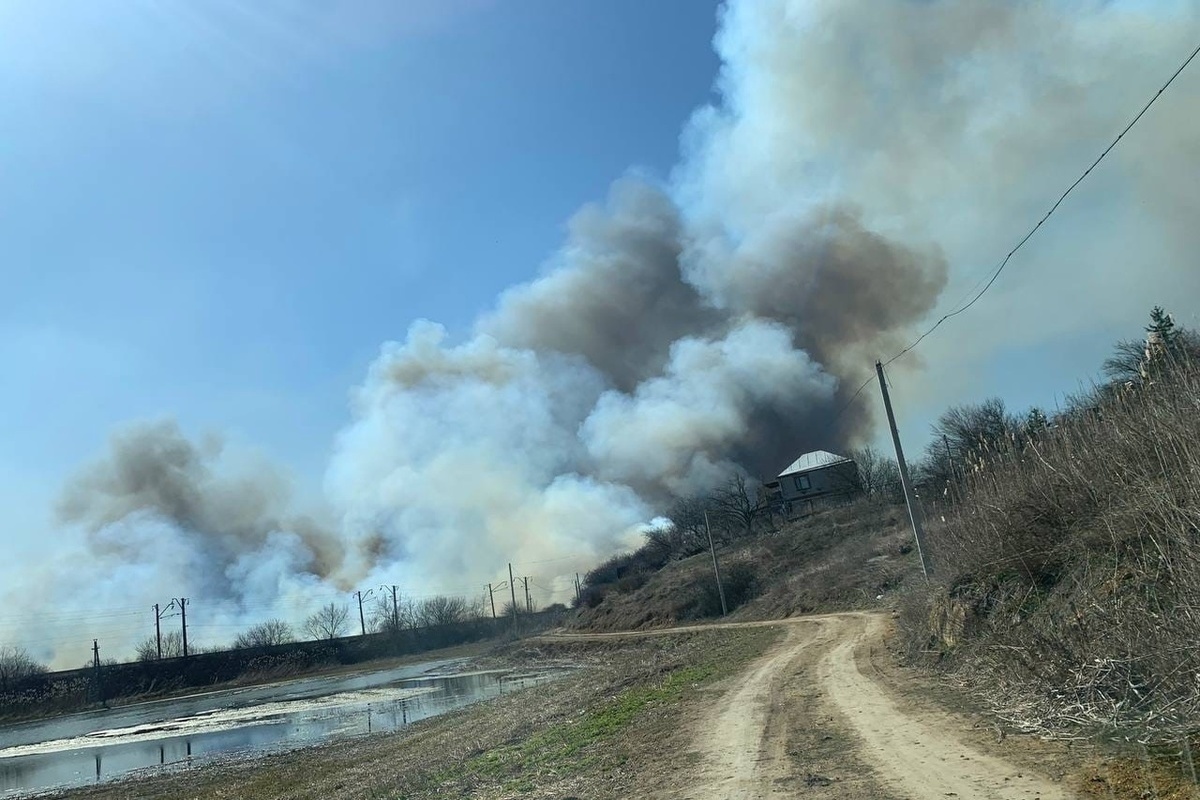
(740,582)
(1073,559)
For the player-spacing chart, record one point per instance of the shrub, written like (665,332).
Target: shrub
(1074,554)
(740,582)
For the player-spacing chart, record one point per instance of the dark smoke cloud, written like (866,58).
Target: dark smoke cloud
(836,284)
(654,358)
(615,295)
(635,286)
(153,472)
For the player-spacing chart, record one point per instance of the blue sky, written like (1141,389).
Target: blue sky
(220,210)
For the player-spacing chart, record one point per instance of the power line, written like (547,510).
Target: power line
(846,406)
(1004,263)
(549,560)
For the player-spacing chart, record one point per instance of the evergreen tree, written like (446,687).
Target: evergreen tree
(1134,362)
(1162,324)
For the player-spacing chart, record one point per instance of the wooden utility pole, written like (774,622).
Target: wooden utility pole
(512,586)
(914,513)
(362,620)
(395,607)
(492,598)
(158,630)
(716,569)
(183,602)
(96,669)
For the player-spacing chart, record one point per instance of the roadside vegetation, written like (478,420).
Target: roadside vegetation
(849,556)
(1066,550)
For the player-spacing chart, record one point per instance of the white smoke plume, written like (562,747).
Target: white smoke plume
(862,155)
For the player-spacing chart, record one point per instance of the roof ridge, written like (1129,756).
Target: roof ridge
(815,459)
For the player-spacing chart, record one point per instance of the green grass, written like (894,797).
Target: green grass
(580,745)
(561,747)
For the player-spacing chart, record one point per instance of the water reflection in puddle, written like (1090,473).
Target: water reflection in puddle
(104,751)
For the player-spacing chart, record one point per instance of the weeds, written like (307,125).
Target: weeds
(1070,566)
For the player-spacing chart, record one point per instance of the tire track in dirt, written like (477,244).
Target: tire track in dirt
(751,742)
(742,740)
(917,757)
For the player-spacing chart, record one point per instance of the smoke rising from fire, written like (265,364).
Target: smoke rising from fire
(154,472)
(709,323)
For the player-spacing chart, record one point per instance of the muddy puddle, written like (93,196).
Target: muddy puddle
(100,746)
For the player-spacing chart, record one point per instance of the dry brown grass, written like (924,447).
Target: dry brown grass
(1070,569)
(841,558)
(1136,777)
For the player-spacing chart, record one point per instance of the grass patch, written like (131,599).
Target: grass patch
(590,741)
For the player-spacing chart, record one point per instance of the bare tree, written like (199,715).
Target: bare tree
(1134,361)
(673,540)
(878,475)
(15,666)
(265,634)
(386,618)
(1126,362)
(443,610)
(687,518)
(327,623)
(382,618)
(962,439)
(737,504)
(172,647)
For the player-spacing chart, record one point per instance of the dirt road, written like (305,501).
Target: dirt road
(817,685)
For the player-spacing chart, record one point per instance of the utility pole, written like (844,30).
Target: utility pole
(716,569)
(528,602)
(183,603)
(512,587)
(914,513)
(158,630)
(492,598)
(362,620)
(578,590)
(96,669)
(395,606)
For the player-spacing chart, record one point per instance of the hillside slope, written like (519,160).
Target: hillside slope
(842,558)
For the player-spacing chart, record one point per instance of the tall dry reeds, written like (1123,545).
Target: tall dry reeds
(1069,563)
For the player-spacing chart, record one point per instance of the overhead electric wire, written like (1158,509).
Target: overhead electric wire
(996,272)
(853,397)
(1004,263)
(549,560)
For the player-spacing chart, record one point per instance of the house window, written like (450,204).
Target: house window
(803,484)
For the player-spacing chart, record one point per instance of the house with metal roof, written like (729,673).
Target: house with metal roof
(815,478)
